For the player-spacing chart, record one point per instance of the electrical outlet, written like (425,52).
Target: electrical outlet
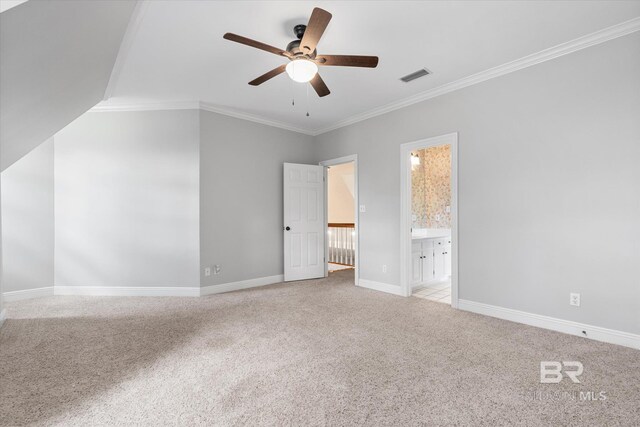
(217,269)
(207,271)
(384,268)
(574,299)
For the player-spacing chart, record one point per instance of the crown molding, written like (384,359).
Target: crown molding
(125,46)
(580,43)
(562,49)
(206,106)
(195,105)
(146,106)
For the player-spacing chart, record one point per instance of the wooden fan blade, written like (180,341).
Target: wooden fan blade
(317,24)
(253,43)
(319,85)
(348,60)
(266,76)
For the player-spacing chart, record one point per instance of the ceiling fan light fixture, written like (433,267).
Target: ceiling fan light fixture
(301,70)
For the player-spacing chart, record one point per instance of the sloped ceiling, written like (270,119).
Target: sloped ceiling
(56,58)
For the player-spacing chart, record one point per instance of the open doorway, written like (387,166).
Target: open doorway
(429,219)
(341,185)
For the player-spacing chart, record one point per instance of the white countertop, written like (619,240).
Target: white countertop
(430,233)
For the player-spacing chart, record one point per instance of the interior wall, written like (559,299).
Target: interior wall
(548,185)
(127,200)
(28,221)
(2,311)
(431,188)
(241,195)
(340,193)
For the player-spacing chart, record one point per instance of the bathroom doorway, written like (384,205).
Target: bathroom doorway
(429,219)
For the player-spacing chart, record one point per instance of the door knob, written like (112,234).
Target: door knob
(287,228)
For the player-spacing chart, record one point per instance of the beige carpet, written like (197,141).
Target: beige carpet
(309,353)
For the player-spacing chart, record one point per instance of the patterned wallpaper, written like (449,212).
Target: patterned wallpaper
(431,188)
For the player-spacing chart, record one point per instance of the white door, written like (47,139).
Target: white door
(447,260)
(438,262)
(427,265)
(303,222)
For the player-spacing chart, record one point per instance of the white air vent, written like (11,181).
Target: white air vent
(416,75)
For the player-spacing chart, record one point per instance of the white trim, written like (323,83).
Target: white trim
(562,49)
(252,118)
(3,316)
(382,287)
(356,200)
(194,105)
(597,333)
(28,294)
(405,210)
(557,51)
(146,106)
(128,291)
(125,47)
(242,284)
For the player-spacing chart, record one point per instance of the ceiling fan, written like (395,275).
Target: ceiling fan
(304,60)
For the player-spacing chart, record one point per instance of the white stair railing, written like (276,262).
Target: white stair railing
(341,240)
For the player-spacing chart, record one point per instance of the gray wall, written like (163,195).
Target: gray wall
(126,200)
(241,195)
(1,261)
(27,221)
(56,58)
(549,201)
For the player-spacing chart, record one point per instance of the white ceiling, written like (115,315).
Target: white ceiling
(177,52)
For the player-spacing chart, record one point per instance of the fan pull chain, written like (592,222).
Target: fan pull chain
(307,100)
(293,93)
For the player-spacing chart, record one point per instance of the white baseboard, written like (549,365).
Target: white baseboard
(242,284)
(128,291)
(3,316)
(597,333)
(382,287)
(28,294)
(142,291)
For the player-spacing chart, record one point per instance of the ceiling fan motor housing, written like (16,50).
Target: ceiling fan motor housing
(294,46)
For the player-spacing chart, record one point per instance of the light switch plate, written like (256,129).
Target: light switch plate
(363,208)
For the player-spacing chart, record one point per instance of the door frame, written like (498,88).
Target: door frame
(405,209)
(333,162)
